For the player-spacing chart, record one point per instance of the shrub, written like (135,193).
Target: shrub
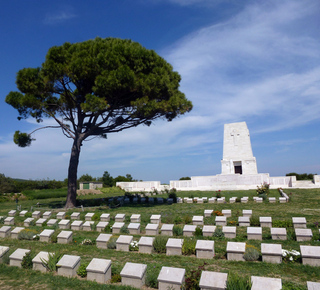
(2,220)
(251,253)
(254,221)
(27,234)
(218,194)
(282,224)
(173,194)
(189,246)
(193,278)
(107,229)
(217,213)
(152,275)
(112,243)
(198,232)
(159,244)
(263,189)
(236,282)
(51,263)
(218,233)
(82,270)
(291,256)
(124,230)
(96,217)
(187,219)
(116,278)
(27,261)
(177,231)
(177,220)
(28,214)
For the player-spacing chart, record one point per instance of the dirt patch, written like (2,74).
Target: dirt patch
(88,191)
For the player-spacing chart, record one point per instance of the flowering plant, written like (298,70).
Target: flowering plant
(87,242)
(290,256)
(263,189)
(134,246)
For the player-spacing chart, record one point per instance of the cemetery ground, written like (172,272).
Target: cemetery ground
(294,275)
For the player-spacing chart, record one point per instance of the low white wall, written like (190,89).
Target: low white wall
(145,186)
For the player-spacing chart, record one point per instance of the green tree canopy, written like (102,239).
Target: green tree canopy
(97,87)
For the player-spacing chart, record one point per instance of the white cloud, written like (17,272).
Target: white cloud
(59,17)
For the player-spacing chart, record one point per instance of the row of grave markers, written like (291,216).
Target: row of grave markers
(134,274)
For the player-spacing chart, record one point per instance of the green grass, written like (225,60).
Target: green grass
(303,203)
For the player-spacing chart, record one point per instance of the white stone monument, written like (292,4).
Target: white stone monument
(237,151)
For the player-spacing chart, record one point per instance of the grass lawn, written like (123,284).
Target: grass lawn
(303,203)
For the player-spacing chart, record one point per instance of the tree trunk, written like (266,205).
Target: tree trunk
(72,173)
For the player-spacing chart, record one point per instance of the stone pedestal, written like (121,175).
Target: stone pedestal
(279,233)
(221,221)
(226,212)
(61,215)
(174,247)
(134,228)
(12,212)
(105,217)
(213,280)
(36,214)
(120,217)
(40,222)
(212,200)
(299,222)
(123,243)
(15,232)
(265,221)
(87,226)
(310,255)
(247,212)
(166,230)
(235,251)
(152,229)
(271,253)
(133,274)
(47,214)
(117,227)
(254,233)
(51,222)
(244,199)
(23,213)
(259,283)
(208,212)
(75,216)
(188,230)
(244,221)
(208,231)
(77,225)
(88,216)
(232,200)
(64,224)
(171,278)
(272,200)
(68,265)
(155,219)
(313,285)
(205,249)
(146,245)
(9,221)
(37,263)
(17,256)
(5,231)
(65,237)
(101,226)
(303,234)
(27,221)
(102,241)
(45,236)
(3,251)
(99,270)
(135,218)
(229,232)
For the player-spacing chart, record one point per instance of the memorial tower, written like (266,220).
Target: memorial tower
(237,151)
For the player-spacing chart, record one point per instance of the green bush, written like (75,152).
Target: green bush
(236,282)
(218,233)
(189,246)
(263,189)
(51,263)
(2,220)
(251,253)
(27,261)
(152,274)
(177,231)
(177,220)
(282,224)
(124,230)
(112,243)
(187,219)
(27,234)
(198,232)
(107,229)
(82,271)
(159,244)
(193,278)
(96,217)
(254,221)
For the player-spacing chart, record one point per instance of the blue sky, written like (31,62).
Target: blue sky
(252,61)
